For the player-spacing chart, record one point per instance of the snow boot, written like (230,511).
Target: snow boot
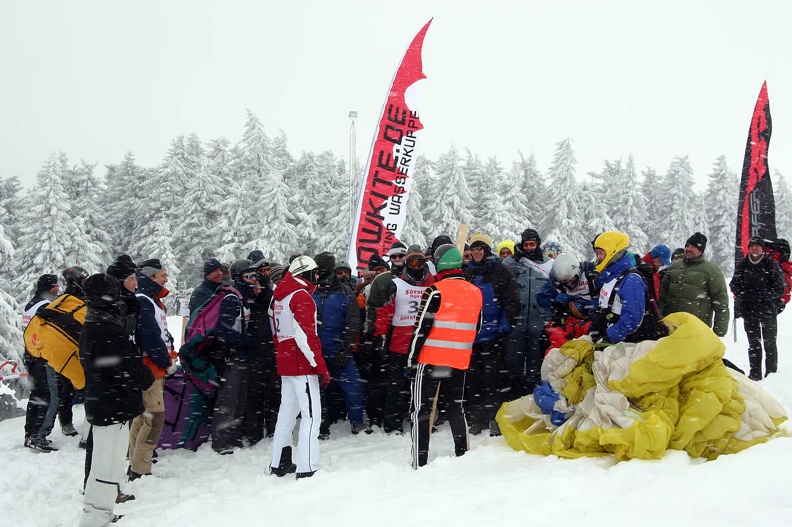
(69,430)
(286,466)
(301,475)
(361,427)
(39,444)
(123,498)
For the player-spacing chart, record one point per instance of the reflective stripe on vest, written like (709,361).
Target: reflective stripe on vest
(450,341)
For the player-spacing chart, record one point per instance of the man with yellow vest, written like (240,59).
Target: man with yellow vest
(449,318)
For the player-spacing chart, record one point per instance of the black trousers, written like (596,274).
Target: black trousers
(66,393)
(39,394)
(397,393)
(761,330)
(429,383)
(483,393)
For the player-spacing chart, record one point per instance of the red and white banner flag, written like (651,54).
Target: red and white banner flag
(382,203)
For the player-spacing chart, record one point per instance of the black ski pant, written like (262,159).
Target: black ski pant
(39,400)
(229,410)
(66,393)
(377,384)
(761,330)
(429,383)
(483,393)
(261,398)
(397,395)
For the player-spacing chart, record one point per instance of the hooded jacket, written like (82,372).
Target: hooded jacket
(298,350)
(152,335)
(696,286)
(115,377)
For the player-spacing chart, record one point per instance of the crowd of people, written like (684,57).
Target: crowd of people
(422,336)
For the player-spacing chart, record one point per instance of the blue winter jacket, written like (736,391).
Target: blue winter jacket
(338,316)
(234,333)
(148,335)
(499,292)
(632,293)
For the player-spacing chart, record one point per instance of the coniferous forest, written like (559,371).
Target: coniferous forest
(224,199)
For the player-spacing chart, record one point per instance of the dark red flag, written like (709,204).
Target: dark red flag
(756,205)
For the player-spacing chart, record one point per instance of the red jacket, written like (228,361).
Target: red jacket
(298,350)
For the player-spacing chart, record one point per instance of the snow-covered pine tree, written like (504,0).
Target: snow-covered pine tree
(162,212)
(199,219)
(47,229)
(720,198)
(85,191)
(119,198)
(417,229)
(475,178)
(497,216)
(530,187)
(681,215)
(654,219)
(9,212)
(595,219)
(561,222)
(783,204)
(11,344)
(625,203)
(450,202)
(327,180)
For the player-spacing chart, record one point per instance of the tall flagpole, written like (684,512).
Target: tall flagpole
(351,194)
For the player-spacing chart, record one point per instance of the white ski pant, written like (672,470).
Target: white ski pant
(299,396)
(108,462)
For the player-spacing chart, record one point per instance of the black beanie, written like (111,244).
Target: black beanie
(326,262)
(530,235)
(377,261)
(212,264)
(443,239)
(46,282)
(698,241)
(101,290)
(756,240)
(150,267)
(122,268)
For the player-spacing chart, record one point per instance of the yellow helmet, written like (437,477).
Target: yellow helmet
(614,244)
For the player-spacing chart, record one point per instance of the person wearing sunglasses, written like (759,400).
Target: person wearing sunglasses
(499,315)
(528,341)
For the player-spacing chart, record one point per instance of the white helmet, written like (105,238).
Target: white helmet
(565,267)
(302,264)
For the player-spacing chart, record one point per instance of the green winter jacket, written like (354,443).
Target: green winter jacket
(697,287)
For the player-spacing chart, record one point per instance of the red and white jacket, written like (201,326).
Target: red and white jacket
(298,350)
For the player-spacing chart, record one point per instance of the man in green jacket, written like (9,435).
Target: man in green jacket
(695,285)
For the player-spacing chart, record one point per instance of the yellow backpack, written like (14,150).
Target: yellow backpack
(54,334)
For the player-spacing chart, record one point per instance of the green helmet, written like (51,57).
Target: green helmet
(447,256)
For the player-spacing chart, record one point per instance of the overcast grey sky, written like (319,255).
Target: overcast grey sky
(655,79)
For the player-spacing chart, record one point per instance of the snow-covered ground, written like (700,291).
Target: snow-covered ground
(367,479)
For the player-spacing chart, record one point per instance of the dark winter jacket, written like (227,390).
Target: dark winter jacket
(202,294)
(499,292)
(757,288)
(338,316)
(115,376)
(156,346)
(235,337)
(260,328)
(696,286)
(379,295)
(530,276)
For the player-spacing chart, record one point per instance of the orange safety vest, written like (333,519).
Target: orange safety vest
(450,341)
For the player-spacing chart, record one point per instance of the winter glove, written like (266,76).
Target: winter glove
(170,370)
(341,358)
(562,298)
(324,379)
